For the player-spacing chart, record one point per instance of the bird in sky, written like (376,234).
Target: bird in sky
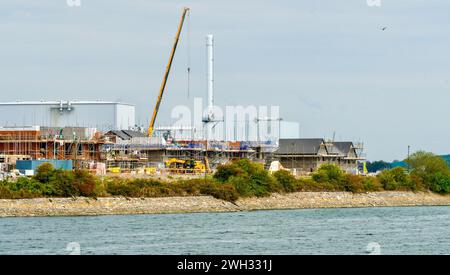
(383,28)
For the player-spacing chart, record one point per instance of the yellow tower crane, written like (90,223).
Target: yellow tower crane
(166,74)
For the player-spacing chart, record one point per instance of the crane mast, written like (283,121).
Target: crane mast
(166,74)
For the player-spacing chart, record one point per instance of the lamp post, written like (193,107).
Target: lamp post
(407,160)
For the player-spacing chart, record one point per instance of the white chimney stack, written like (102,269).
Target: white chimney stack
(210,57)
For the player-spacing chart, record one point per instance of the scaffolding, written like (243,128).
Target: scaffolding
(31,143)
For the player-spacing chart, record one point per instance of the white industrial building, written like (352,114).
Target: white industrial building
(103,115)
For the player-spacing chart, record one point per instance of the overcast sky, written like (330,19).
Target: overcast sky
(328,64)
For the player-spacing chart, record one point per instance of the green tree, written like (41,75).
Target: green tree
(395,179)
(425,163)
(62,182)
(44,172)
(328,173)
(430,170)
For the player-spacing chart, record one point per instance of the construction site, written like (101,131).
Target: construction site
(111,143)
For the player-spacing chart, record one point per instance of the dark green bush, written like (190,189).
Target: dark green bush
(288,182)
(23,190)
(44,172)
(429,172)
(248,178)
(396,179)
(29,187)
(242,186)
(329,177)
(328,173)
(62,182)
(438,182)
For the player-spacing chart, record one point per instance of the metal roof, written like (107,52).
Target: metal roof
(72,102)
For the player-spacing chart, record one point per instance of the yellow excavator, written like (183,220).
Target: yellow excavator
(185,166)
(197,165)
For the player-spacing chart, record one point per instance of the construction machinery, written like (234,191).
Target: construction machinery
(166,74)
(114,170)
(185,166)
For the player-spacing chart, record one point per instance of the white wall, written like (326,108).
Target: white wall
(103,116)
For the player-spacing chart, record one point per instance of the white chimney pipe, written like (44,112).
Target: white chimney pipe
(210,57)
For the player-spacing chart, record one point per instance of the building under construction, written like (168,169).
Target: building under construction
(74,143)
(132,151)
(103,134)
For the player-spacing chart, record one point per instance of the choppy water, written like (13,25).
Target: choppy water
(409,230)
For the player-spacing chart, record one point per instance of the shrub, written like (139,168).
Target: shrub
(309,185)
(118,187)
(5,192)
(44,172)
(424,163)
(328,172)
(287,180)
(417,181)
(387,180)
(354,183)
(396,179)
(249,178)
(62,182)
(192,186)
(371,184)
(429,171)
(225,171)
(242,186)
(139,182)
(30,187)
(225,192)
(84,183)
(438,182)
(330,177)
(263,183)
(24,188)
(156,191)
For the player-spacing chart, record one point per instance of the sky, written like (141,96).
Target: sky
(327,64)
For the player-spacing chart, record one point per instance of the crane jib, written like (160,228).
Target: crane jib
(166,74)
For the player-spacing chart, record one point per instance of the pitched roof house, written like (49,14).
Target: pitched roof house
(308,154)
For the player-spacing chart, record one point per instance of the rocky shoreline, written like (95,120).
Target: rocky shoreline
(120,206)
